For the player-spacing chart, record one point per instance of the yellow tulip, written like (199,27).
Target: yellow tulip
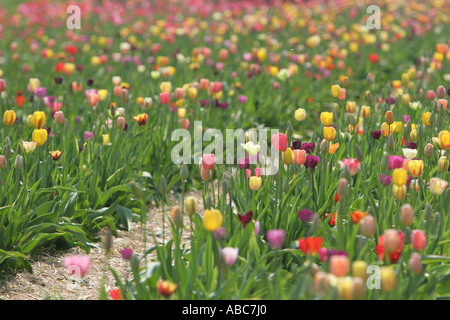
(105,139)
(365,112)
(426,118)
(444,139)
(212,219)
(415,168)
(288,156)
(9,117)
(400,177)
(300,114)
(40,136)
(39,119)
(326,118)
(351,106)
(388,278)
(255,183)
(102,94)
(329,133)
(335,90)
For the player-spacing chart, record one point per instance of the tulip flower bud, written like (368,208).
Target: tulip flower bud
(184,172)
(3,162)
(18,164)
(121,123)
(385,162)
(324,146)
(443,164)
(367,226)
(389,117)
(441,92)
(406,215)
(137,189)
(220,234)
(162,186)
(289,129)
(428,213)
(7,151)
(418,240)
(358,153)
(415,263)
(225,186)
(428,150)
(343,188)
(84,168)
(346,173)
(391,240)
(190,205)
(390,144)
(388,278)
(177,217)
(352,120)
(420,132)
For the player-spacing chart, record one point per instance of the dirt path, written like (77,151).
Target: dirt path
(49,279)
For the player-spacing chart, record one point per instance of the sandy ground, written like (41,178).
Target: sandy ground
(50,280)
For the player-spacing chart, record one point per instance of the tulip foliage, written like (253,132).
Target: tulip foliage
(358,203)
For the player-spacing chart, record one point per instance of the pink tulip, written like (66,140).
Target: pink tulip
(2,85)
(276,238)
(164,97)
(279,142)
(77,265)
(59,117)
(229,255)
(208,161)
(441,92)
(430,95)
(352,164)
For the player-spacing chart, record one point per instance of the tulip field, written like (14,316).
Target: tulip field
(334,184)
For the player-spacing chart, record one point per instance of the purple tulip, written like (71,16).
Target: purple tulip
(40,92)
(406,118)
(305,215)
(220,234)
(242,99)
(296,144)
(312,161)
(126,253)
(88,135)
(385,180)
(376,134)
(308,147)
(395,162)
